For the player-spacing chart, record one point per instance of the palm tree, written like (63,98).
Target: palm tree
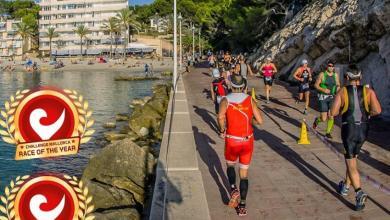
(127,19)
(82,31)
(51,33)
(25,31)
(111,26)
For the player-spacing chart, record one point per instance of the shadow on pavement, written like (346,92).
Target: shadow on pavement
(267,111)
(207,118)
(294,158)
(211,159)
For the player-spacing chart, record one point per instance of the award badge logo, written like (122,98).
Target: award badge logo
(46,197)
(46,122)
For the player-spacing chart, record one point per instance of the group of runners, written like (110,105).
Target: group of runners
(237,111)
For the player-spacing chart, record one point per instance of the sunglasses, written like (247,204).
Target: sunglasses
(330,65)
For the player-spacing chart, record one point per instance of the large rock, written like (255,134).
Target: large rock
(117,175)
(343,30)
(121,214)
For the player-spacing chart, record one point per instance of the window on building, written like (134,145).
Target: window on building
(46,17)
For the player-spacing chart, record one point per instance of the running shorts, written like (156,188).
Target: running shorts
(353,137)
(304,87)
(325,102)
(268,80)
(239,149)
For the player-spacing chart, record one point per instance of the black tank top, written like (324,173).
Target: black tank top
(356,113)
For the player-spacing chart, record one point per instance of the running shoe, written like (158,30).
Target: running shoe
(305,111)
(241,210)
(343,189)
(315,124)
(234,197)
(297,101)
(329,136)
(267,102)
(361,198)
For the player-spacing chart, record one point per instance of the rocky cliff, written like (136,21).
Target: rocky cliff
(347,31)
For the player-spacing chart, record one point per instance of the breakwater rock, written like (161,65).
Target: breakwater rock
(120,175)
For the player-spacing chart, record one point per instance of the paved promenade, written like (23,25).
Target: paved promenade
(286,180)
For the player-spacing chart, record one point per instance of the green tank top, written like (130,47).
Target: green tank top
(329,82)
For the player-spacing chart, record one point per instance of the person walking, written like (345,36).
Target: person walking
(304,76)
(327,85)
(357,103)
(269,70)
(236,112)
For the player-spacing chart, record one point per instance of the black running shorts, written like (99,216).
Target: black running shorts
(268,80)
(353,136)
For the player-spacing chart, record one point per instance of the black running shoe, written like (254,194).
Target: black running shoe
(241,210)
(329,136)
(361,198)
(315,124)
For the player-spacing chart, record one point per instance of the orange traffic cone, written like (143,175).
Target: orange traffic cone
(254,94)
(304,139)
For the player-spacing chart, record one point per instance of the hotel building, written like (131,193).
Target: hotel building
(66,15)
(10,41)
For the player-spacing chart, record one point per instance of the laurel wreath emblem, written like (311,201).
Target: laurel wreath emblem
(84,116)
(8,135)
(7,205)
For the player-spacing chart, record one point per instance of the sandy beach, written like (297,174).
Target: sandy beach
(131,64)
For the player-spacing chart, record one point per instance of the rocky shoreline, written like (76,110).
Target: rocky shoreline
(120,176)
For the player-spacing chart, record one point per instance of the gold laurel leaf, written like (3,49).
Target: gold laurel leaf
(73,183)
(77,190)
(89,113)
(25,177)
(85,191)
(81,184)
(67,177)
(4,133)
(73,97)
(81,98)
(11,204)
(89,200)
(82,119)
(80,128)
(6,105)
(85,140)
(86,105)
(3,114)
(91,217)
(82,111)
(77,104)
(81,197)
(12,98)
(3,210)
(19,97)
(25,91)
(19,182)
(17,178)
(12,214)
(15,104)
(75,178)
(8,140)
(11,111)
(89,133)
(82,205)
(90,209)
(14,190)
(75,92)
(3,218)
(2,198)
(3,124)
(12,184)
(80,214)
(12,128)
(67,91)
(6,191)
(90,123)
(11,119)
(18,92)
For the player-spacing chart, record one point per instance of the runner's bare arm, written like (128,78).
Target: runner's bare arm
(318,82)
(375,106)
(296,75)
(222,114)
(275,69)
(257,113)
(337,103)
(250,70)
(212,92)
(310,75)
(337,82)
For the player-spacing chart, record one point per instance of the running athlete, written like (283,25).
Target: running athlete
(244,68)
(219,89)
(269,70)
(357,103)
(304,76)
(327,85)
(236,112)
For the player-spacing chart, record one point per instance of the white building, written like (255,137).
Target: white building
(10,41)
(160,24)
(67,15)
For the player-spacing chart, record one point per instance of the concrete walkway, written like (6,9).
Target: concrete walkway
(287,181)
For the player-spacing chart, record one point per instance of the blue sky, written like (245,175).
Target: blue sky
(140,2)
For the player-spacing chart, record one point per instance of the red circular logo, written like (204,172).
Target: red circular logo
(46,197)
(46,115)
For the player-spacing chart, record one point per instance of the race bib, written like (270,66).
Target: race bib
(305,86)
(268,78)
